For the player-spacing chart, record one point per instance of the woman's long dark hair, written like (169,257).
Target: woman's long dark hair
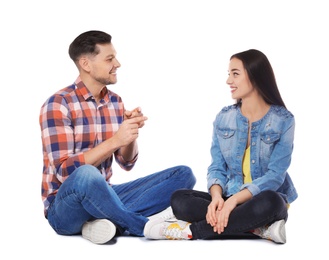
(261,75)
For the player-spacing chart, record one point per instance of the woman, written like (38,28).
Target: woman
(249,188)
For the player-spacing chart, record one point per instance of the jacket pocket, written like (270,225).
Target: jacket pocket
(268,141)
(225,138)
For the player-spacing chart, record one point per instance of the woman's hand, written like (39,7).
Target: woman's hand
(223,214)
(216,203)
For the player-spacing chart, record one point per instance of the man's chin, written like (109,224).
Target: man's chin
(111,82)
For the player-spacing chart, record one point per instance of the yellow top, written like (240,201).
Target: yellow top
(246,166)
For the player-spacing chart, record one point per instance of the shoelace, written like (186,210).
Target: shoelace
(173,232)
(265,232)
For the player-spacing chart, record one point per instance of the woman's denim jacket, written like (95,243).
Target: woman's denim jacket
(271,146)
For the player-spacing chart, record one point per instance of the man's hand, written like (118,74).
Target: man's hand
(137,112)
(128,131)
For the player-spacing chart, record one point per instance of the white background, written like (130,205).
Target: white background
(174,57)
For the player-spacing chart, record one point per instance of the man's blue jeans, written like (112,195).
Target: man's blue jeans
(85,195)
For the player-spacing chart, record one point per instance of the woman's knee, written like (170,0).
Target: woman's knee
(178,195)
(273,198)
(271,201)
(190,205)
(178,199)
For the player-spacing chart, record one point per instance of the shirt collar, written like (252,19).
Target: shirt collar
(86,93)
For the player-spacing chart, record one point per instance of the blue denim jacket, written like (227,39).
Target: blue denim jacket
(271,146)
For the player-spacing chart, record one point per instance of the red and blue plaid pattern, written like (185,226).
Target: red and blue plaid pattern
(71,123)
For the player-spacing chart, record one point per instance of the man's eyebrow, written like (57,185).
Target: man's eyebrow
(110,56)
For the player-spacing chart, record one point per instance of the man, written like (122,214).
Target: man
(84,127)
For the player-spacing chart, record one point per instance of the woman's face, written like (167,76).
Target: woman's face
(238,80)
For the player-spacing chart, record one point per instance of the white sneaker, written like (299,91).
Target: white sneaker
(171,229)
(275,232)
(98,231)
(163,215)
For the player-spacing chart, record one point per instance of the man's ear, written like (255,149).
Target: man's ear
(84,63)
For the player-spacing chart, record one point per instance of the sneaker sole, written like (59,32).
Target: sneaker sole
(99,231)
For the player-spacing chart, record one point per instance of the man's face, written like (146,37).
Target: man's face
(104,65)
